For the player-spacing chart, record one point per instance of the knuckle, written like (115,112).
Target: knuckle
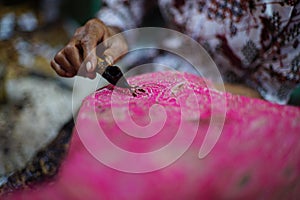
(95,27)
(69,49)
(86,40)
(59,54)
(94,21)
(58,57)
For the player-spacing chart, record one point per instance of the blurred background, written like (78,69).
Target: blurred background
(34,101)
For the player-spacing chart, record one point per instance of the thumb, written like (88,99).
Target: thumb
(114,52)
(89,55)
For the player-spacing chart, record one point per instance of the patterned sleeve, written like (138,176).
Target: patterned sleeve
(254,42)
(123,14)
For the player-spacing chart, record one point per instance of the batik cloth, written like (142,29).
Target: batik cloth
(255,42)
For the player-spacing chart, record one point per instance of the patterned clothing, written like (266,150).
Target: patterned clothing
(255,42)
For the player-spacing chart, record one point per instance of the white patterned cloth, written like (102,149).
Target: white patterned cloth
(255,42)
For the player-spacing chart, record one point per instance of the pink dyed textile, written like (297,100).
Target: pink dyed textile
(256,156)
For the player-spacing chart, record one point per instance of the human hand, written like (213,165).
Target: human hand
(81,50)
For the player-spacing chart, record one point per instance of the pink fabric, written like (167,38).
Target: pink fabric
(256,157)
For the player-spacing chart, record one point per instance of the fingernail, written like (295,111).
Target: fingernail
(89,66)
(109,60)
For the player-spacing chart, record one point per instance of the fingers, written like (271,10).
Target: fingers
(96,31)
(63,61)
(80,54)
(73,56)
(62,66)
(116,47)
(57,68)
(88,45)
(67,61)
(114,52)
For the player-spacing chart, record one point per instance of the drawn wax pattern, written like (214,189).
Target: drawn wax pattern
(256,156)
